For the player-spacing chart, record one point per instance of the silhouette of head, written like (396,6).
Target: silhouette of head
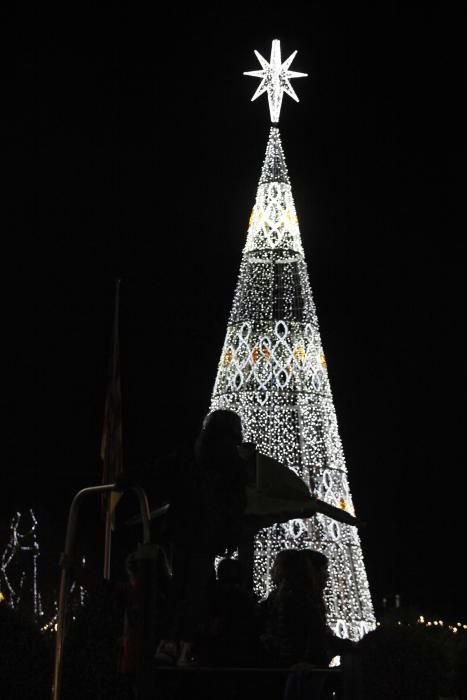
(221,430)
(317,564)
(222,424)
(288,568)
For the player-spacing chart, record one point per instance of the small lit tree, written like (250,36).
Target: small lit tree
(19,568)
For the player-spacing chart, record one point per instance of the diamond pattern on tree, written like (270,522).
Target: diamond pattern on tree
(289,357)
(273,221)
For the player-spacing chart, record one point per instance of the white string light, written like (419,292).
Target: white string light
(275,79)
(21,542)
(273,373)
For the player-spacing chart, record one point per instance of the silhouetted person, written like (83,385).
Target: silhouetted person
(107,638)
(294,628)
(318,571)
(232,637)
(208,502)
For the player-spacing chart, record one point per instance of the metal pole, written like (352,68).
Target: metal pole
(108,539)
(147,555)
(64,583)
(145,513)
(63,594)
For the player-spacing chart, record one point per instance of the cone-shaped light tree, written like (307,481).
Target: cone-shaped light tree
(272,372)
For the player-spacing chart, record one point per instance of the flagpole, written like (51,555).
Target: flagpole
(111,446)
(108,539)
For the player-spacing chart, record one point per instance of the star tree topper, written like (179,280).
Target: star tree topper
(275,79)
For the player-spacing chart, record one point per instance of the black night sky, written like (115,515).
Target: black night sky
(131,149)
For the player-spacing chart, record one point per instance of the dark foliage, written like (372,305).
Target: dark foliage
(25,658)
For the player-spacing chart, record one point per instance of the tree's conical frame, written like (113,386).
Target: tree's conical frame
(272,372)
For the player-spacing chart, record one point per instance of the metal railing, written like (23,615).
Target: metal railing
(67,553)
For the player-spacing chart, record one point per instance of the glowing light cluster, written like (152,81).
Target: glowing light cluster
(273,373)
(275,79)
(21,542)
(453,627)
(273,221)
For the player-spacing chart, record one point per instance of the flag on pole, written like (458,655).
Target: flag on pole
(111,443)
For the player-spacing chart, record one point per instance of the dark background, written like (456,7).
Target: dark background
(132,150)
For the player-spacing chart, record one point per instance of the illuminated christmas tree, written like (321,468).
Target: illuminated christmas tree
(272,372)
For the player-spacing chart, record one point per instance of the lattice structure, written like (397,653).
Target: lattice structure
(272,372)
(19,568)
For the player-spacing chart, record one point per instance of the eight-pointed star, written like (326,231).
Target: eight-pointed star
(275,79)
